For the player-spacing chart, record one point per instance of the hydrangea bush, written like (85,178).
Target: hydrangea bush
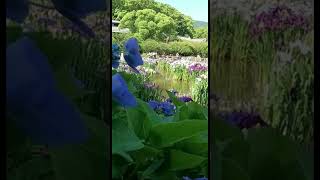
(145,142)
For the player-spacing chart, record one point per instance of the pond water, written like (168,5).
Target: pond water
(239,85)
(166,82)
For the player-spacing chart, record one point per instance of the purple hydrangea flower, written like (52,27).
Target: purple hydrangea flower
(40,110)
(121,93)
(132,54)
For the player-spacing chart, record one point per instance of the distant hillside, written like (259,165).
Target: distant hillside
(198,24)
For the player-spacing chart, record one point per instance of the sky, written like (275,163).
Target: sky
(197,9)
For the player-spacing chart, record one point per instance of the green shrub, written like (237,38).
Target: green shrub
(182,48)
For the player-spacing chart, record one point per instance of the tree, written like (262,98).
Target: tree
(201,32)
(169,21)
(148,24)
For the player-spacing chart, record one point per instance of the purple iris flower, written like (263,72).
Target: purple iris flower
(185,99)
(39,109)
(243,120)
(132,54)
(121,93)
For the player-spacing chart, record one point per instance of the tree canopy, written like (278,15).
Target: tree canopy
(151,19)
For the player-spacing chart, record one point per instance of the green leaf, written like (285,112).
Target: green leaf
(68,85)
(140,119)
(145,154)
(86,161)
(191,110)
(36,168)
(195,145)
(232,170)
(166,134)
(273,156)
(180,160)
(224,131)
(124,139)
(152,168)
(174,99)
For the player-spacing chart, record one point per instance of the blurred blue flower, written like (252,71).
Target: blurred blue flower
(187,178)
(39,109)
(167,108)
(121,93)
(132,54)
(154,104)
(115,56)
(203,178)
(74,10)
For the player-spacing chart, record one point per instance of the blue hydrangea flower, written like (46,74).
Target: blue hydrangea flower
(115,56)
(121,93)
(167,108)
(39,109)
(154,104)
(132,54)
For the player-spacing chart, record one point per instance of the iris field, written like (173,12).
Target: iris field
(262,77)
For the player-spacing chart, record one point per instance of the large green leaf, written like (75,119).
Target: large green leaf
(124,139)
(195,145)
(140,120)
(273,156)
(166,134)
(180,160)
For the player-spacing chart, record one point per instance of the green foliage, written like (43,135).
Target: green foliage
(183,48)
(151,19)
(155,149)
(258,154)
(147,23)
(201,32)
(286,82)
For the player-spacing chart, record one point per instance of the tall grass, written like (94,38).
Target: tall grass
(255,58)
